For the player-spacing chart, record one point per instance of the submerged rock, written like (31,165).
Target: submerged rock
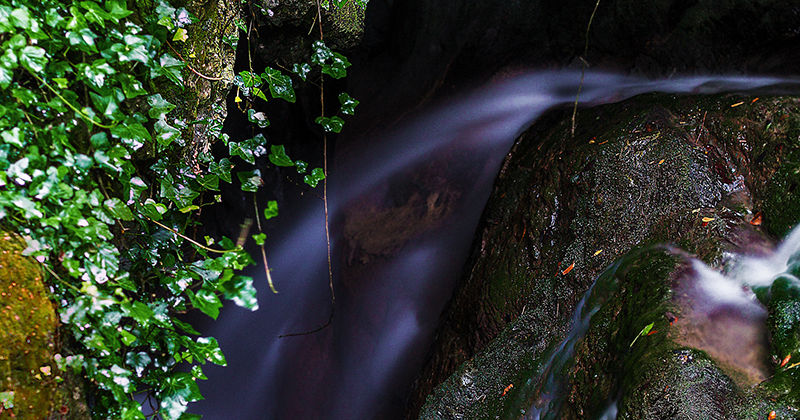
(707,175)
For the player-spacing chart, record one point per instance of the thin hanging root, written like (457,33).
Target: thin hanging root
(266,269)
(324,199)
(583,67)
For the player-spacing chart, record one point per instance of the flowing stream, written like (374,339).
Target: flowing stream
(362,366)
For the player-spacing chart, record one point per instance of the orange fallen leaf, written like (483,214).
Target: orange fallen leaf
(671,318)
(785,360)
(772,415)
(707,219)
(600,144)
(737,104)
(753,100)
(508,388)
(598,252)
(756,219)
(661,161)
(568,269)
(652,332)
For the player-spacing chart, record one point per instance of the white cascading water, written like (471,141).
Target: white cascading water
(361,367)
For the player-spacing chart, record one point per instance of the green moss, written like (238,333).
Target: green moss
(27,329)
(644,171)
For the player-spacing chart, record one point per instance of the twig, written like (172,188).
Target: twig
(583,67)
(219,251)
(192,68)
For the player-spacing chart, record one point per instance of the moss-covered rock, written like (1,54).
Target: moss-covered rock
(31,385)
(693,171)
(286,28)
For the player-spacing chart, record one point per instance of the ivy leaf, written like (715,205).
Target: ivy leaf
(179,389)
(321,53)
(339,3)
(132,135)
(181,35)
(131,87)
(117,9)
(7,399)
(348,104)
(260,238)
(258,118)
(209,181)
(250,79)
(278,156)
(271,210)
(185,326)
(314,177)
(33,59)
(20,18)
(242,150)
(152,209)
(280,85)
(139,312)
(222,169)
(165,133)
(205,301)
(301,166)
(83,39)
(138,361)
(333,124)
(6,76)
(106,104)
(170,67)
(118,209)
(132,411)
(251,180)
(240,290)
(208,349)
(158,106)
(28,207)
(301,70)
(338,67)
(95,14)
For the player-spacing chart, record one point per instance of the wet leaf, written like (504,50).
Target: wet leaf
(251,180)
(271,210)
(278,156)
(280,85)
(333,124)
(348,104)
(208,349)
(205,301)
(314,177)
(258,118)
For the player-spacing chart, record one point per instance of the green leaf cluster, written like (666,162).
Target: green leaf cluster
(80,129)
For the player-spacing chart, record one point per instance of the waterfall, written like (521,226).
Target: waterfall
(361,366)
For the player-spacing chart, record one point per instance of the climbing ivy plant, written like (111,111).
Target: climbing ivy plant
(91,177)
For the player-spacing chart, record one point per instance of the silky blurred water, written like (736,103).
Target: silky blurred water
(362,366)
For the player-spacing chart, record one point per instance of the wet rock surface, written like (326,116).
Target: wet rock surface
(709,175)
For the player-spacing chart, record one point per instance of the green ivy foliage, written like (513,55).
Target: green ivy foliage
(80,130)
(93,179)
